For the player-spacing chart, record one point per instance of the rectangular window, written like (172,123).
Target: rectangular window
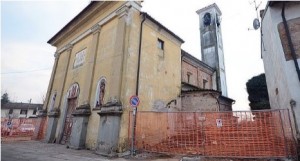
(160,44)
(11,111)
(204,83)
(23,112)
(188,77)
(34,112)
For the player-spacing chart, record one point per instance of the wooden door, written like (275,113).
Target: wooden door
(69,120)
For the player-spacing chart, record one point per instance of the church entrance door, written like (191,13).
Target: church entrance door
(69,121)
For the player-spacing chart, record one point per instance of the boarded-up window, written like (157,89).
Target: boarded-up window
(294,28)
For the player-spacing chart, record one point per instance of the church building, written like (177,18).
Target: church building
(112,51)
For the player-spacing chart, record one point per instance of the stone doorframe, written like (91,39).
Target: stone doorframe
(64,111)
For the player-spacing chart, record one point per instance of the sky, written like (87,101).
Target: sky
(27,59)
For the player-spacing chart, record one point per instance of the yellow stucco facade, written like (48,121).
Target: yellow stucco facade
(102,43)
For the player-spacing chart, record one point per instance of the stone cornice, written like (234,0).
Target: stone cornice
(83,110)
(54,112)
(56,55)
(69,47)
(42,113)
(134,4)
(95,28)
(123,10)
(82,17)
(214,5)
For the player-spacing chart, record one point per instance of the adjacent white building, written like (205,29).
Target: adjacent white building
(280,49)
(20,110)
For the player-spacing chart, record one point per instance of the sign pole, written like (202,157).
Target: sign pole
(134,102)
(133,130)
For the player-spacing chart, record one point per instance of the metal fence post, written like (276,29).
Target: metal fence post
(293,136)
(283,132)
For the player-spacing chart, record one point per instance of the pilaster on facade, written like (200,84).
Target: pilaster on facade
(117,66)
(95,29)
(123,11)
(135,5)
(69,47)
(56,55)
(89,76)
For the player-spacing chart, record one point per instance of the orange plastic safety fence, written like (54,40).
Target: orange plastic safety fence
(223,134)
(23,129)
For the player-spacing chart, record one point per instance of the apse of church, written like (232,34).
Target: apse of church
(101,55)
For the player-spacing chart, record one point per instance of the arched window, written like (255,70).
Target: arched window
(100,92)
(73,91)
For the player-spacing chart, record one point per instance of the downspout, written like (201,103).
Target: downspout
(290,41)
(137,85)
(139,56)
(180,93)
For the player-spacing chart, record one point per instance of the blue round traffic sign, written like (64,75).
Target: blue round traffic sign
(8,123)
(134,101)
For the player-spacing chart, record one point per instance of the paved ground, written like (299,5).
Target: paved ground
(38,151)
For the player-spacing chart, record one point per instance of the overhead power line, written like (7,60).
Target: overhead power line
(29,71)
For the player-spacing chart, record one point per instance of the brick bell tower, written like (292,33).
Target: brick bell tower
(212,45)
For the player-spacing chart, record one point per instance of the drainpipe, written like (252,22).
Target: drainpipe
(139,56)
(290,40)
(137,86)
(181,74)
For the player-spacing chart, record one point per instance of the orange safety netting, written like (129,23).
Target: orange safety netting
(223,134)
(23,128)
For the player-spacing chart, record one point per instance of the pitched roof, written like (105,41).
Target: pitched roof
(92,5)
(199,62)
(147,16)
(201,90)
(71,22)
(21,106)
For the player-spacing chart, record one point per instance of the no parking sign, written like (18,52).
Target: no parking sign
(134,101)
